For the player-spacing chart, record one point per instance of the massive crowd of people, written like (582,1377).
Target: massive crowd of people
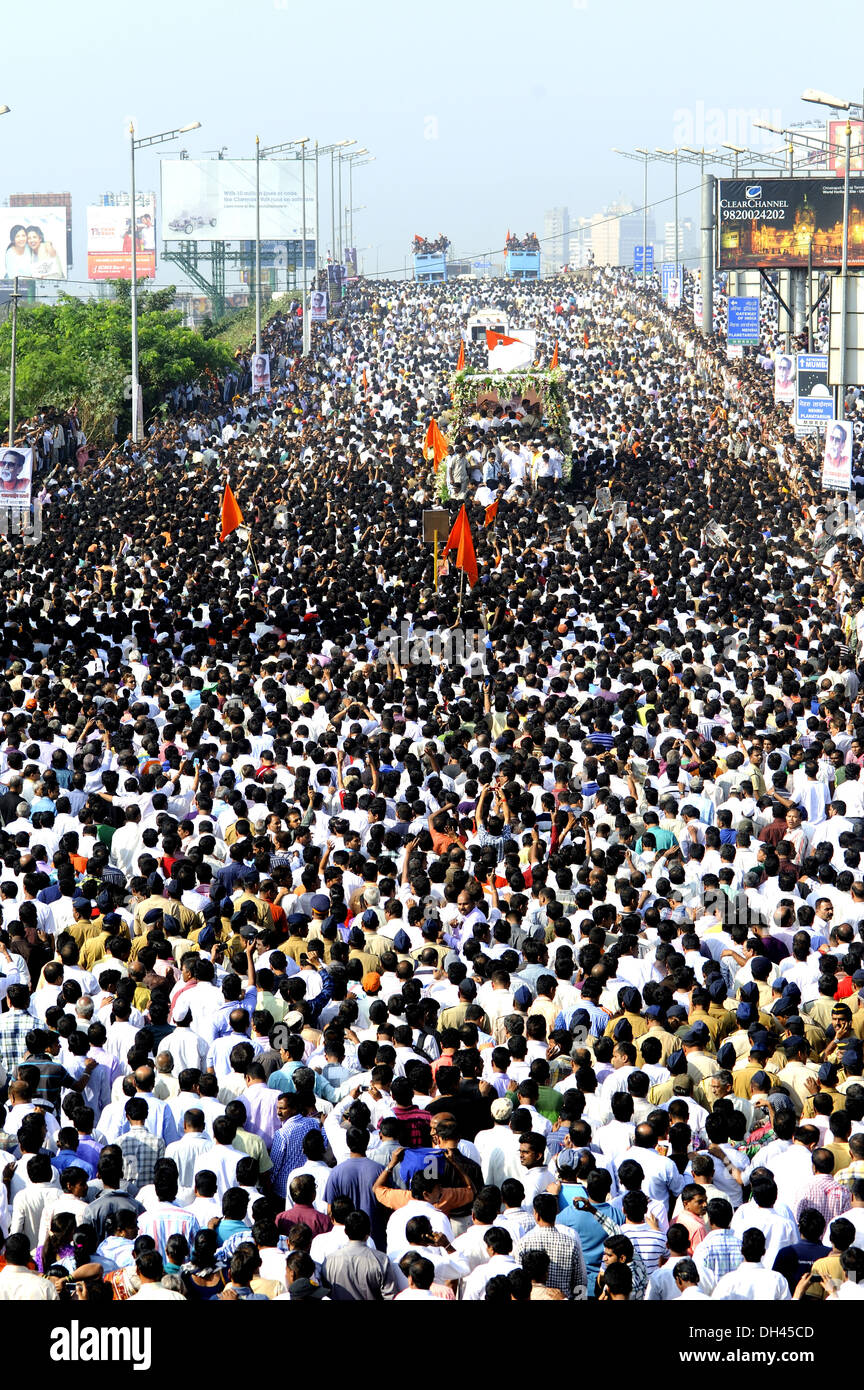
(330,973)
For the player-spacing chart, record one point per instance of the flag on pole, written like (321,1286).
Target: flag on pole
(232,517)
(585,338)
(460,540)
(365,383)
(460,365)
(507,353)
(491,513)
(554,362)
(435,443)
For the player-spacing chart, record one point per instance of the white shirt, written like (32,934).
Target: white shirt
(751,1283)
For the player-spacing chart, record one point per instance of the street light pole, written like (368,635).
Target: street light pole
(13,350)
(257,244)
(134,287)
(844,276)
(145,142)
(333,206)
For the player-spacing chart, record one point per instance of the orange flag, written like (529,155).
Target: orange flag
(554,362)
(460,540)
(585,337)
(435,442)
(365,383)
(460,365)
(491,513)
(232,517)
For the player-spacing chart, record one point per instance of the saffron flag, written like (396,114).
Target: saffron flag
(554,362)
(365,383)
(509,354)
(460,365)
(491,513)
(435,443)
(460,540)
(585,338)
(232,517)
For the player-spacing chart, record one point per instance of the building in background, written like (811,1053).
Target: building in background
(48,200)
(556,239)
(616,232)
(689,250)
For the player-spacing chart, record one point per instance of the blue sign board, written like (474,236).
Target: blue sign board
(643,260)
(743,325)
(814,401)
(667,273)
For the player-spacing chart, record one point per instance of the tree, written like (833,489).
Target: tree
(80,352)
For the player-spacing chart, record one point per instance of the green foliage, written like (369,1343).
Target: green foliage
(80,352)
(550,384)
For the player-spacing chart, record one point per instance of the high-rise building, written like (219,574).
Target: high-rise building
(616,232)
(688,242)
(556,238)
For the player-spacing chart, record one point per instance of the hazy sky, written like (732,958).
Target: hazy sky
(480,115)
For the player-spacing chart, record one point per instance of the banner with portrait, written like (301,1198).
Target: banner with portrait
(837,459)
(16,476)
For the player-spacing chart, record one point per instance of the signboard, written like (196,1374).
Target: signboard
(784,378)
(836,135)
(109,241)
(318,306)
(734,350)
(743,321)
(775,222)
(814,404)
(837,459)
(260,371)
(435,523)
(643,259)
(33,242)
(667,272)
(214,200)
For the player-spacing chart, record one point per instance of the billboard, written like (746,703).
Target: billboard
(774,222)
(214,200)
(836,135)
(48,200)
(109,241)
(33,242)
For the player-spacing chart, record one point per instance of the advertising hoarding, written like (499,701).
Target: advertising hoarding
(33,243)
(836,135)
(109,241)
(214,200)
(775,222)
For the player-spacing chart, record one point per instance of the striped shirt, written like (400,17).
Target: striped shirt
(650,1244)
(165,1220)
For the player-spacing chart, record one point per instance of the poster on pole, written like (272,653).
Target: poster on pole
(784,380)
(837,460)
(16,477)
(318,306)
(814,401)
(673,293)
(261,371)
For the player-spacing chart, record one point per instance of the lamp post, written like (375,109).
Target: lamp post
(294,145)
(673,155)
(144,143)
(643,156)
(257,245)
